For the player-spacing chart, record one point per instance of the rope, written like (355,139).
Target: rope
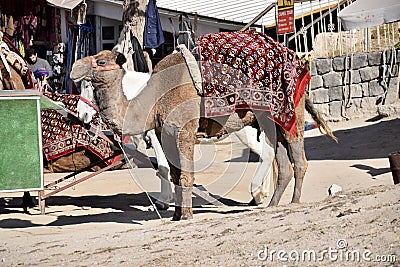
(323,25)
(347,95)
(130,172)
(378,33)
(387,72)
(304,31)
(331,26)
(312,23)
(340,30)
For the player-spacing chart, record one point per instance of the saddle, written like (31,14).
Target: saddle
(250,70)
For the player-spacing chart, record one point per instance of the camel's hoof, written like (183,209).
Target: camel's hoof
(161,205)
(258,199)
(177,214)
(187,216)
(252,203)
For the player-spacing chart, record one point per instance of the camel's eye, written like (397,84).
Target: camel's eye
(101,62)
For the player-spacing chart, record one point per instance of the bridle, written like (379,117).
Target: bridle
(96,68)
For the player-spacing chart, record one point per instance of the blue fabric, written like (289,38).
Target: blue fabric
(153,35)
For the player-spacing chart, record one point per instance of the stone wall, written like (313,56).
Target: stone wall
(355,85)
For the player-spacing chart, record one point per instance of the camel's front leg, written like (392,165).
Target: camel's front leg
(186,142)
(179,146)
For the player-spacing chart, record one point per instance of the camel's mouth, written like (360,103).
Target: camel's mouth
(77,79)
(78,73)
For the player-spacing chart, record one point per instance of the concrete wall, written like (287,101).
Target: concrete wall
(355,85)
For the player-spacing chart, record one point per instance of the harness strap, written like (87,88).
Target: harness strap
(193,68)
(90,103)
(103,68)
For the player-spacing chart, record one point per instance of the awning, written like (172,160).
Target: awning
(368,13)
(67,4)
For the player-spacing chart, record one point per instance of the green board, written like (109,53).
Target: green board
(20,144)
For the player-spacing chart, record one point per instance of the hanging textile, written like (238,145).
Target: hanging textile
(153,35)
(29,24)
(83,41)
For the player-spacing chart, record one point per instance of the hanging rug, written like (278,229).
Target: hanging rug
(61,137)
(250,70)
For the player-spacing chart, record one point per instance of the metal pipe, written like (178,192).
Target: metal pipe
(259,16)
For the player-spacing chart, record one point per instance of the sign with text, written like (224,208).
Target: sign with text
(285,16)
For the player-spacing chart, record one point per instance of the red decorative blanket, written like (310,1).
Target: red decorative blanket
(61,137)
(250,70)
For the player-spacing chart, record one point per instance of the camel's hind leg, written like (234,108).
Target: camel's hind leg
(300,167)
(297,152)
(285,169)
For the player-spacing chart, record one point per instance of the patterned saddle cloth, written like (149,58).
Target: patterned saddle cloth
(61,137)
(250,70)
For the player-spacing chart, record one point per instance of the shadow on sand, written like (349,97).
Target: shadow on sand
(126,208)
(369,142)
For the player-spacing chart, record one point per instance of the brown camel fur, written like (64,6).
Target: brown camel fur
(171,105)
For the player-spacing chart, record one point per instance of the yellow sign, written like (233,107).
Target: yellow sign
(282,4)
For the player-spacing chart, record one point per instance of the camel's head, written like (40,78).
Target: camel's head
(97,67)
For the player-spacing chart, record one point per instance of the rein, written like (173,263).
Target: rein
(89,103)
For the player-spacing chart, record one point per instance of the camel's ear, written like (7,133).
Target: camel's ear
(120,59)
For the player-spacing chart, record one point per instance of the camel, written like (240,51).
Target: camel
(171,106)
(132,83)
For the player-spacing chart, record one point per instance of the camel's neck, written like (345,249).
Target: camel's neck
(111,100)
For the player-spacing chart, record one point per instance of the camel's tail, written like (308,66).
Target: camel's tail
(318,119)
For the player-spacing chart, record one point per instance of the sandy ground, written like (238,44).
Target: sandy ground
(108,220)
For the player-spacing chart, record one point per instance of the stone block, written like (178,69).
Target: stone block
(375,89)
(368,104)
(313,70)
(393,95)
(323,109)
(395,70)
(338,63)
(388,56)
(353,75)
(332,79)
(356,91)
(320,96)
(369,73)
(398,56)
(365,89)
(316,82)
(359,61)
(335,109)
(354,109)
(323,65)
(375,59)
(336,93)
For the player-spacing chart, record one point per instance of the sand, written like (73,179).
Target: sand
(108,220)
